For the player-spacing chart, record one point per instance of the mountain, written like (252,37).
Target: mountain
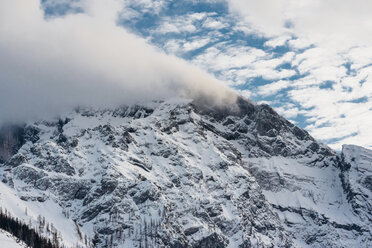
(184,173)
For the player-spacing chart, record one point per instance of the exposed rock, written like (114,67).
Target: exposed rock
(184,173)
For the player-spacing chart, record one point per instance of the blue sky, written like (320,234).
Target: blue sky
(311,61)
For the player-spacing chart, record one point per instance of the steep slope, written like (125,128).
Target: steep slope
(182,173)
(357,179)
(11,139)
(8,241)
(303,181)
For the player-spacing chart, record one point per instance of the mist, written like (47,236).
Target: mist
(48,66)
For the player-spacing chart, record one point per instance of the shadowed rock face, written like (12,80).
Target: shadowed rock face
(356,176)
(183,173)
(11,139)
(268,122)
(242,107)
(260,125)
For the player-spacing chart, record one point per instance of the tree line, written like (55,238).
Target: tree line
(23,232)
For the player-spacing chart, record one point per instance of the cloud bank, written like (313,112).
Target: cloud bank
(52,65)
(341,23)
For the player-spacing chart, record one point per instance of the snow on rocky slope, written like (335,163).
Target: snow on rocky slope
(183,173)
(8,241)
(357,179)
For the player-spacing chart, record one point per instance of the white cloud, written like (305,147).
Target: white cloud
(213,23)
(272,88)
(337,21)
(181,46)
(195,44)
(134,6)
(47,66)
(278,41)
(178,24)
(235,64)
(332,41)
(245,93)
(335,115)
(288,111)
(178,27)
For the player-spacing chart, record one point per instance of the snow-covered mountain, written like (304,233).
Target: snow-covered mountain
(185,173)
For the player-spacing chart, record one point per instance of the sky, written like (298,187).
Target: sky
(311,60)
(50,65)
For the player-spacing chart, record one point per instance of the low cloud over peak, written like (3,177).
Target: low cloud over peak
(52,65)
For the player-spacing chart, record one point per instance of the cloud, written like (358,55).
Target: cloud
(212,23)
(278,41)
(321,21)
(52,65)
(332,55)
(179,24)
(338,115)
(152,6)
(236,63)
(270,89)
(311,60)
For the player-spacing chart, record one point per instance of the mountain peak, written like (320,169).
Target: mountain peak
(182,173)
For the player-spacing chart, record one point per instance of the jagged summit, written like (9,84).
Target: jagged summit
(184,173)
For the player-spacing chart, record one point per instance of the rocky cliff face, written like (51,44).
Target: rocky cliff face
(11,139)
(182,173)
(356,178)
